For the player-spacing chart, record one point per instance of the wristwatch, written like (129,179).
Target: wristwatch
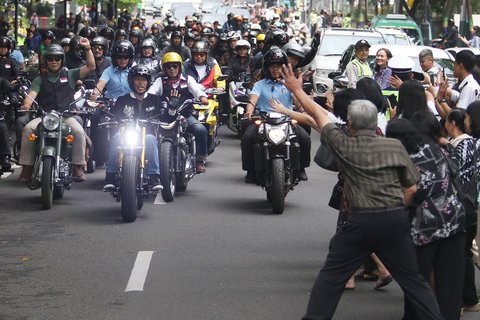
(441,100)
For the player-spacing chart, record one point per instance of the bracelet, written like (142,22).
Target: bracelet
(442,100)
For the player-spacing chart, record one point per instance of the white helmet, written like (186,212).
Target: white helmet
(255,26)
(243,43)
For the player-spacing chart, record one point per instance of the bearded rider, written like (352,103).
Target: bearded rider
(54,90)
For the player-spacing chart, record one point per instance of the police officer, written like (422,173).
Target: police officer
(55,89)
(358,68)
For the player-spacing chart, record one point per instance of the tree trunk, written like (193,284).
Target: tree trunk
(447,12)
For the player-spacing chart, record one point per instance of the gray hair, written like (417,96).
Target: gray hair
(362,114)
(425,53)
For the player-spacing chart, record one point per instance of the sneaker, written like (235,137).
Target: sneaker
(155,182)
(110,177)
(251,177)
(302,175)
(201,168)
(474,308)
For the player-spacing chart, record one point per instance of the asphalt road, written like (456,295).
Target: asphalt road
(216,252)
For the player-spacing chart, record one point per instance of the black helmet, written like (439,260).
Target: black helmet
(123,48)
(100,41)
(136,33)
(87,32)
(55,50)
(48,35)
(230,16)
(276,37)
(176,34)
(5,42)
(273,56)
(13,41)
(201,46)
(76,49)
(149,42)
(207,31)
(223,37)
(120,33)
(294,49)
(107,33)
(190,35)
(139,70)
(154,26)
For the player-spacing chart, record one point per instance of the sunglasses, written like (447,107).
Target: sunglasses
(200,54)
(171,66)
(122,57)
(56,59)
(100,48)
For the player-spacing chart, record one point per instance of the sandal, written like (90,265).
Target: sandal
(383,282)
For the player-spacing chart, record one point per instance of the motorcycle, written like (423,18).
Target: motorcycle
(208,116)
(131,185)
(11,99)
(238,92)
(277,157)
(177,150)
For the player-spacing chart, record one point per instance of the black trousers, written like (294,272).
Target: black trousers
(445,258)
(4,139)
(470,296)
(387,233)
(248,140)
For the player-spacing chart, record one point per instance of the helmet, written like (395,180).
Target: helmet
(65,42)
(260,37)
(75,48)
(294,49)
(87,32)
(230,16)
(238,18)
(276,37)
(107,33)
(100,41)
(190,35)
(256,27)
(6,42)
(233,35)
(201,46)
(123,47)
(244,44)
(55,50)
(149,42)
(120,33)
(48,35)
(171,57)
(136,33)
(207,31)
(273,56)
(139,70)
(223,37)
(176,34)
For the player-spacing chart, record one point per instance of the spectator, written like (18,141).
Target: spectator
(359,67)
(347,21)
(337,20)
(34,20)
(412,98)
(382,71)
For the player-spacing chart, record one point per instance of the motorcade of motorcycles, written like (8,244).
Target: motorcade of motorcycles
(131,185)
(177,149)
(208,116)
(239,94)
(277,156)
(52,170)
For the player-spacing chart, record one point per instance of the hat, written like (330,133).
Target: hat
(401,64)
(362,43)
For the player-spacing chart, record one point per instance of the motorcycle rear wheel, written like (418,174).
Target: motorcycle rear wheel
(47,182)
(167,171)
(129,188)
(277,191)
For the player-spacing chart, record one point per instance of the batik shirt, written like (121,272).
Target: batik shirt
(439,213)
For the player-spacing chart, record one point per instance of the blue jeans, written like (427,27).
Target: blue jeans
(151,154)
(201,136)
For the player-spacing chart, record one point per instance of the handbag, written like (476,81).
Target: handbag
(336,196)
(325,158)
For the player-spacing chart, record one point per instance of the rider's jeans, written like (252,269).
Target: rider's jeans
(151,154)
(201,136)
(27,153)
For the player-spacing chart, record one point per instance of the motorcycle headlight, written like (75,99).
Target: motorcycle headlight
(277,134)
(51,121)
(131,138)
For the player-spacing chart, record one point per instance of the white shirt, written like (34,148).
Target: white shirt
(468,91)
(194,87)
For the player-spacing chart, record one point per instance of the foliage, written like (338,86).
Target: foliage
(122,4)
(43,9)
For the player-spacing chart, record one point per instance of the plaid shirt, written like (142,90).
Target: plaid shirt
(375,168)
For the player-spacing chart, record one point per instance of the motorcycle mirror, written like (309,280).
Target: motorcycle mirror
(89,83)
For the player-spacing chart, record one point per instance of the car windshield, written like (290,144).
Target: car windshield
(413,35)
(335,44)
(396,39)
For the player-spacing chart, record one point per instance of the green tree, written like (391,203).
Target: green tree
(122,4)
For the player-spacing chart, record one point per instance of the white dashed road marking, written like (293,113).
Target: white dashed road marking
(139,271)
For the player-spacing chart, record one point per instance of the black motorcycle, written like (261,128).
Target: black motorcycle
(177,150)
(277,157)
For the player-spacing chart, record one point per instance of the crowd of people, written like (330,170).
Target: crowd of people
(406,144)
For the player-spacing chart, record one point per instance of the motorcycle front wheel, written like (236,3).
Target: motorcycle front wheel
(277,188)
(167,171)
(128,188)
(47,182)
